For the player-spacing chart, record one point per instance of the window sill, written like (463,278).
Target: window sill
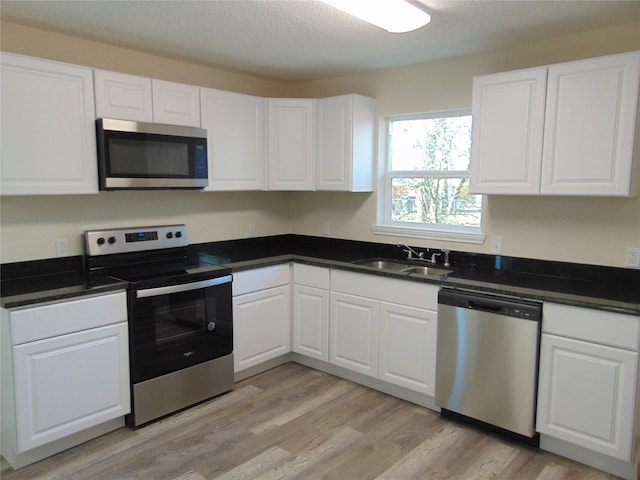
(448,235)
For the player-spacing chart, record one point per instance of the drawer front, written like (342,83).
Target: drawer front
(311,276)
(51,320)
(605,328)
(260,278)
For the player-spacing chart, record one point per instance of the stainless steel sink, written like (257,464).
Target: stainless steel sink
(426,271)
(383,264)
(401,266)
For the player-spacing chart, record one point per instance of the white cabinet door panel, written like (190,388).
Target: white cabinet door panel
(48,128)
(262,328)
(587,395)
(408,347)
(123,96)
(354,333)
(235,126)
(176,103)
(590,126)
(311,322)
(508,123)
(70,383)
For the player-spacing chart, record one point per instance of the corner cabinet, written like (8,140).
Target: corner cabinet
(65,370)
(48,128)
(261,315)
(345,127)
(235,125)
(565,129)
(311,311)
(291,139)
(588,379)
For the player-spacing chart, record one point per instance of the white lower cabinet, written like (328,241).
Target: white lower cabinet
(261,316)
(311,311)
(588,379)
(354,333)
(65,370)
(385,328)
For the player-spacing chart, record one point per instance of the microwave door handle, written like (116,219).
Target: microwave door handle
(184,287)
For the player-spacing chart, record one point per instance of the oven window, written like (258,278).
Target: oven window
(174,331)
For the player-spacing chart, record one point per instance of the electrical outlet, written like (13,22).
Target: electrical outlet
(496,245)
(62,248)
(252,230)
(633,257)
(325,229)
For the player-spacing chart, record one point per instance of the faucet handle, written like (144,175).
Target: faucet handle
(446,257)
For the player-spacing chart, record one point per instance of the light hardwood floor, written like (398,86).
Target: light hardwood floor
(296,422)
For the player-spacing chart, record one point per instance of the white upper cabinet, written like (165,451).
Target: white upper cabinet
(48,128)
(176,103)
(566,129)
(345,128)
(291,143)
(123,96)
(590,127)
(141,99)
(235,125)
(508,121)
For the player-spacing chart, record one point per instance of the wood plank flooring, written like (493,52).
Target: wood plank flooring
(296,422)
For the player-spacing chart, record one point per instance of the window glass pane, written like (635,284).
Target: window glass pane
(431,144)
(435,200)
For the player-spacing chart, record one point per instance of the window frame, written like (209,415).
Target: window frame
(384,225)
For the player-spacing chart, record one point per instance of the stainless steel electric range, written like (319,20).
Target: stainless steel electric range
(180,319)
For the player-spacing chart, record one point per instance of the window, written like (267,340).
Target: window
(426,179)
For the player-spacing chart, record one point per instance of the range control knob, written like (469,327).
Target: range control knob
(169,235)
(211,326)
(111,240)
(178,234)
(100,241)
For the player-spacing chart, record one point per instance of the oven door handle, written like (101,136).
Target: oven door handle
(184,287)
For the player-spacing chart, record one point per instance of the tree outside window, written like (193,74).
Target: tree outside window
(428,172)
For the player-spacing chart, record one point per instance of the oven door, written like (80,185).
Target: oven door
(177,326)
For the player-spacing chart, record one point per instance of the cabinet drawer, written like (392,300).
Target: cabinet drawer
(403,292)
(253,280)
(311,276)
(37,323)
(605,328)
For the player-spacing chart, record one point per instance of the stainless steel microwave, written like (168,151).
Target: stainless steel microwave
(138,155)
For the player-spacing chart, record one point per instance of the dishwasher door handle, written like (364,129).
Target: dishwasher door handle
(484,306)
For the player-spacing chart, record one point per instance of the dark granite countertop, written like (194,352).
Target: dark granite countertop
(603,288)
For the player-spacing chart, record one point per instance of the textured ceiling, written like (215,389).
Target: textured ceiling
(296,40)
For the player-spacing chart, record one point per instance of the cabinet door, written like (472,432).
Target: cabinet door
(586,395)
(508,123)
(408,347)
(354,333)
(311,322)
(235,126)
(590,126)
(176,103)
(48,128)
(261,326)
(70,383)
(291,144)
(345,128)
(123,96)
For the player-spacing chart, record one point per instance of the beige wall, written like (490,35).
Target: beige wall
(584,230)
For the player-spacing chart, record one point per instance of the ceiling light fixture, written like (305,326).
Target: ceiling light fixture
(395,16)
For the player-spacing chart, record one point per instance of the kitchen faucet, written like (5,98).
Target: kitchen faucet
(411,252)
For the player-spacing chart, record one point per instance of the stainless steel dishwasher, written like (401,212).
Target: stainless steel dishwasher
(487,360)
